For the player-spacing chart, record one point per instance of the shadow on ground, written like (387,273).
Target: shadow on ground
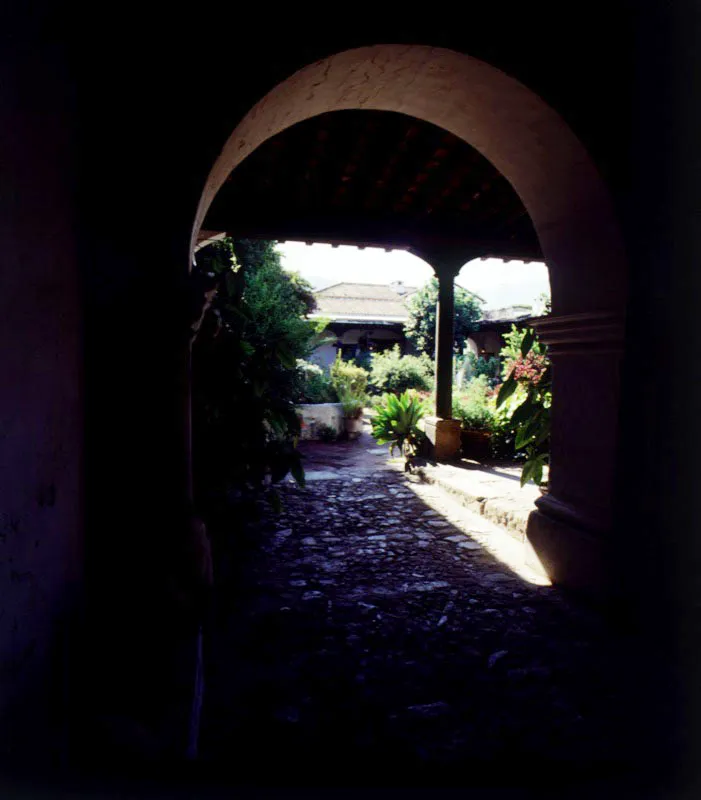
(367,636)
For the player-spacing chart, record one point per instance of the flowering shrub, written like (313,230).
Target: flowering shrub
(312,384)
(527,368)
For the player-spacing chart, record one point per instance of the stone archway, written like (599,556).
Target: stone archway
(530,144)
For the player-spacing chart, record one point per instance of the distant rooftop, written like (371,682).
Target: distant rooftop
(386,303)
(364,301)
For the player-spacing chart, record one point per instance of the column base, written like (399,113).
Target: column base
(570,556)
(444,438)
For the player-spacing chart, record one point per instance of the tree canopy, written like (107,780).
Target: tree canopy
(421,327)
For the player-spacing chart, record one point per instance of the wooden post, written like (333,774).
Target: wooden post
(442,431)
(445,330)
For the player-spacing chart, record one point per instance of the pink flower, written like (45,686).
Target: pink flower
(529,369)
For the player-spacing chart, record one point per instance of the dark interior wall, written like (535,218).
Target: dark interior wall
(41,402)
(657,558)
(139,184)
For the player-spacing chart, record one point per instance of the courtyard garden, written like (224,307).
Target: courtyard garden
(503,404)
(258,391)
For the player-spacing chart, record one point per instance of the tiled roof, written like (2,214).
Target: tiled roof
(364,301)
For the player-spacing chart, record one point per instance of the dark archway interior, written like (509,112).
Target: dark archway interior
(374,177)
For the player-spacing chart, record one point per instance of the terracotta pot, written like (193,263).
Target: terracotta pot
(476,444)
(354,427)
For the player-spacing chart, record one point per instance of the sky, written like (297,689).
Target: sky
(497,282)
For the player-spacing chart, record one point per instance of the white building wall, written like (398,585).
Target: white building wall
(324,356)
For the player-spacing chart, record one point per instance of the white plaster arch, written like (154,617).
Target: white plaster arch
(525,139)
(471,345)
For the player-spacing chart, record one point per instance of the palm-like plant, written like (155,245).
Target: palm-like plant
(396,423)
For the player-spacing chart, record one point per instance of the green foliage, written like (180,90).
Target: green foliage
(503,438)
(528,371)
(479,365)
(353,406)
(313,384)
(421,327)
(321,335)
(503,431)
(326,433)
(249,339)
(350,382)
(473,416)
(364,360)
(304,293)
(348,379)
(471,406)
(396,422)
(375,400)
(395,373)
(520,342)
(545,302)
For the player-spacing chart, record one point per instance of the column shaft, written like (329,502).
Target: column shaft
(571,530)
(445,328)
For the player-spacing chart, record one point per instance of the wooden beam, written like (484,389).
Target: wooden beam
(430,170)
(385,233)
(312,169)
(391,168)
(352,169)
(316,171)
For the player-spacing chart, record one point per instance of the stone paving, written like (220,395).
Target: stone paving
(377,632)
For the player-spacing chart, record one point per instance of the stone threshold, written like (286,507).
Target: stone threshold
(505,504)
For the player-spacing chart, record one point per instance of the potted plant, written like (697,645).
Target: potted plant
(353,407)
(476,438)
(396,423)
(477,420)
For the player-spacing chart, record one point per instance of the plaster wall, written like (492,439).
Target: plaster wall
(324,356)
(314,415)
(489,341)
(472,346)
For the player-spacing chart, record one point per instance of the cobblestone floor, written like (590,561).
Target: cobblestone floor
(380,633)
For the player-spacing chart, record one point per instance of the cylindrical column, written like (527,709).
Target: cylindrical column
(445,328)
(570,531)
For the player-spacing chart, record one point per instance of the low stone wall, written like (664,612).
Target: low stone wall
(314,415)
